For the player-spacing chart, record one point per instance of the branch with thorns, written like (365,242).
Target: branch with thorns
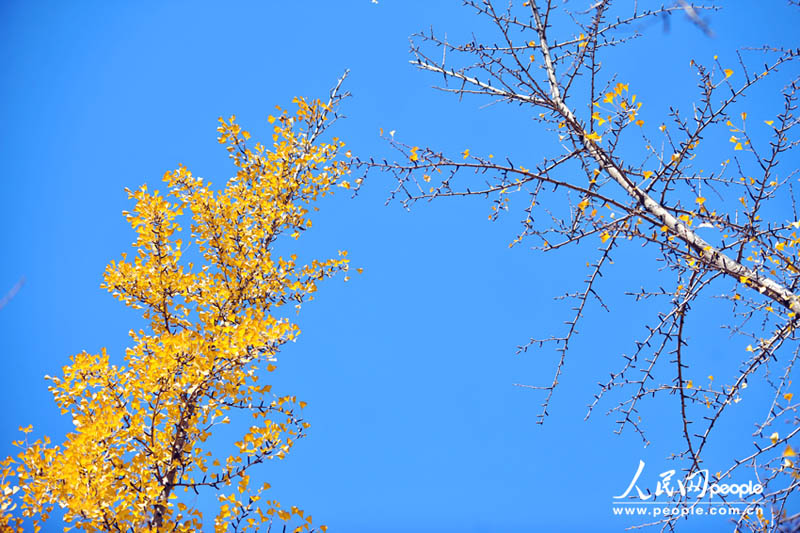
(549,64)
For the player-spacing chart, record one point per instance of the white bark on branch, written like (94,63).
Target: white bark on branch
(710,254)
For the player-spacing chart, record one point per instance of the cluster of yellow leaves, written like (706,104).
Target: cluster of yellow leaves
(735,140)
(8,523)
(783,254)
(620,104)
(141,430)
(788,452)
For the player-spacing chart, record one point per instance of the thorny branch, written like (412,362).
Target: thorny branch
(731,231)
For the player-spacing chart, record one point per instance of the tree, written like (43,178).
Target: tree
(612,181)
(143,430)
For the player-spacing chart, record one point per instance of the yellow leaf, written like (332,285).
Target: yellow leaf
(700,200)
(728,73)
(774,437)
(593,137)
(465,153)
(605,236)
(788,396)
(738,146)
(640,123)
(769,122)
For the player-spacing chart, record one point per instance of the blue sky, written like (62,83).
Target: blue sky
(408,368)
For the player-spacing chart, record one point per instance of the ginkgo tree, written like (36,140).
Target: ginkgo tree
(142,446)
(610,180)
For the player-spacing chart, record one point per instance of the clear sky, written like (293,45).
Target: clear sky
(408,369)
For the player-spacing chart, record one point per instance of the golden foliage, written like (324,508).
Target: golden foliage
(141,430)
